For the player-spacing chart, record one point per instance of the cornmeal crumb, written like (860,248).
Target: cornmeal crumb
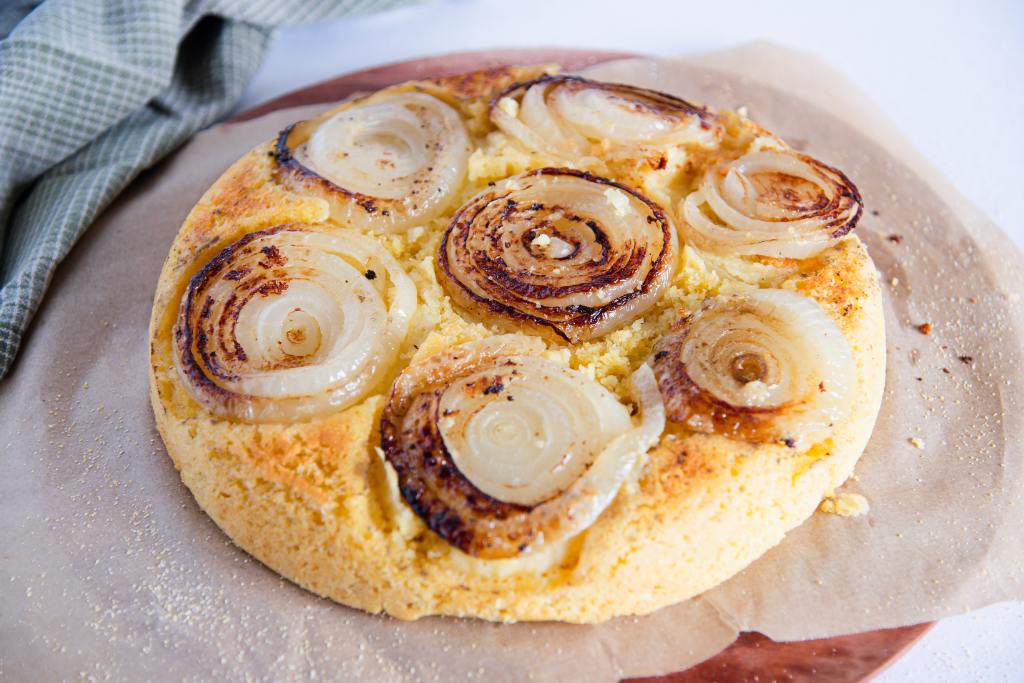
(766,143)
(618,199)
(756,392)
(509,106)
(845,505)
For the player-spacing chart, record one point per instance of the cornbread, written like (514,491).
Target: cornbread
(316,502)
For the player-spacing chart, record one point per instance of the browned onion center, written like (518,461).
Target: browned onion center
(748,367)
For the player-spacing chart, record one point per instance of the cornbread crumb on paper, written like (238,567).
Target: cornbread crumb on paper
(845,505)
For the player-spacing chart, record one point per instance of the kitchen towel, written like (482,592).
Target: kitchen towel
(92,92)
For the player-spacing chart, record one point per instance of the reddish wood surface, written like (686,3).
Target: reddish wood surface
(843,659)
(753,657)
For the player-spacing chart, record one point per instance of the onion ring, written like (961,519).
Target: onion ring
(383,164)
(501,453)
(559,251)
(769,366)
(564,115)
(291,323)
(771,203)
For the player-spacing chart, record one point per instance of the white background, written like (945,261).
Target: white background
(950,75)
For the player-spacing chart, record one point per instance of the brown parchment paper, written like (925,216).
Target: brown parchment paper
(109,570)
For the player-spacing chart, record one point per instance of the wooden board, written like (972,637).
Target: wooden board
(752,657)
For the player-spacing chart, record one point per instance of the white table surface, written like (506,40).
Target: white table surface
(949,74)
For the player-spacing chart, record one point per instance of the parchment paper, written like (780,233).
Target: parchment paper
(109,570)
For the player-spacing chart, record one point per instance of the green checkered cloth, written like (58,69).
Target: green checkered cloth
(92,92)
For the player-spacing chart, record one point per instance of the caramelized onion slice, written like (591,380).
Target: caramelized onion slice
(769,366)
(559,251)
(502,454)
(384,164)
(771,203)
(291,323)
(563,115)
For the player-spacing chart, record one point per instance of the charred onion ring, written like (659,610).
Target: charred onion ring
(384,164)
(564,115)
(559,251)
(501,452)
(771,203)
(291,322)
(769,366)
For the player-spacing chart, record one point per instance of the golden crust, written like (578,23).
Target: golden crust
(314,502)
(485,83)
